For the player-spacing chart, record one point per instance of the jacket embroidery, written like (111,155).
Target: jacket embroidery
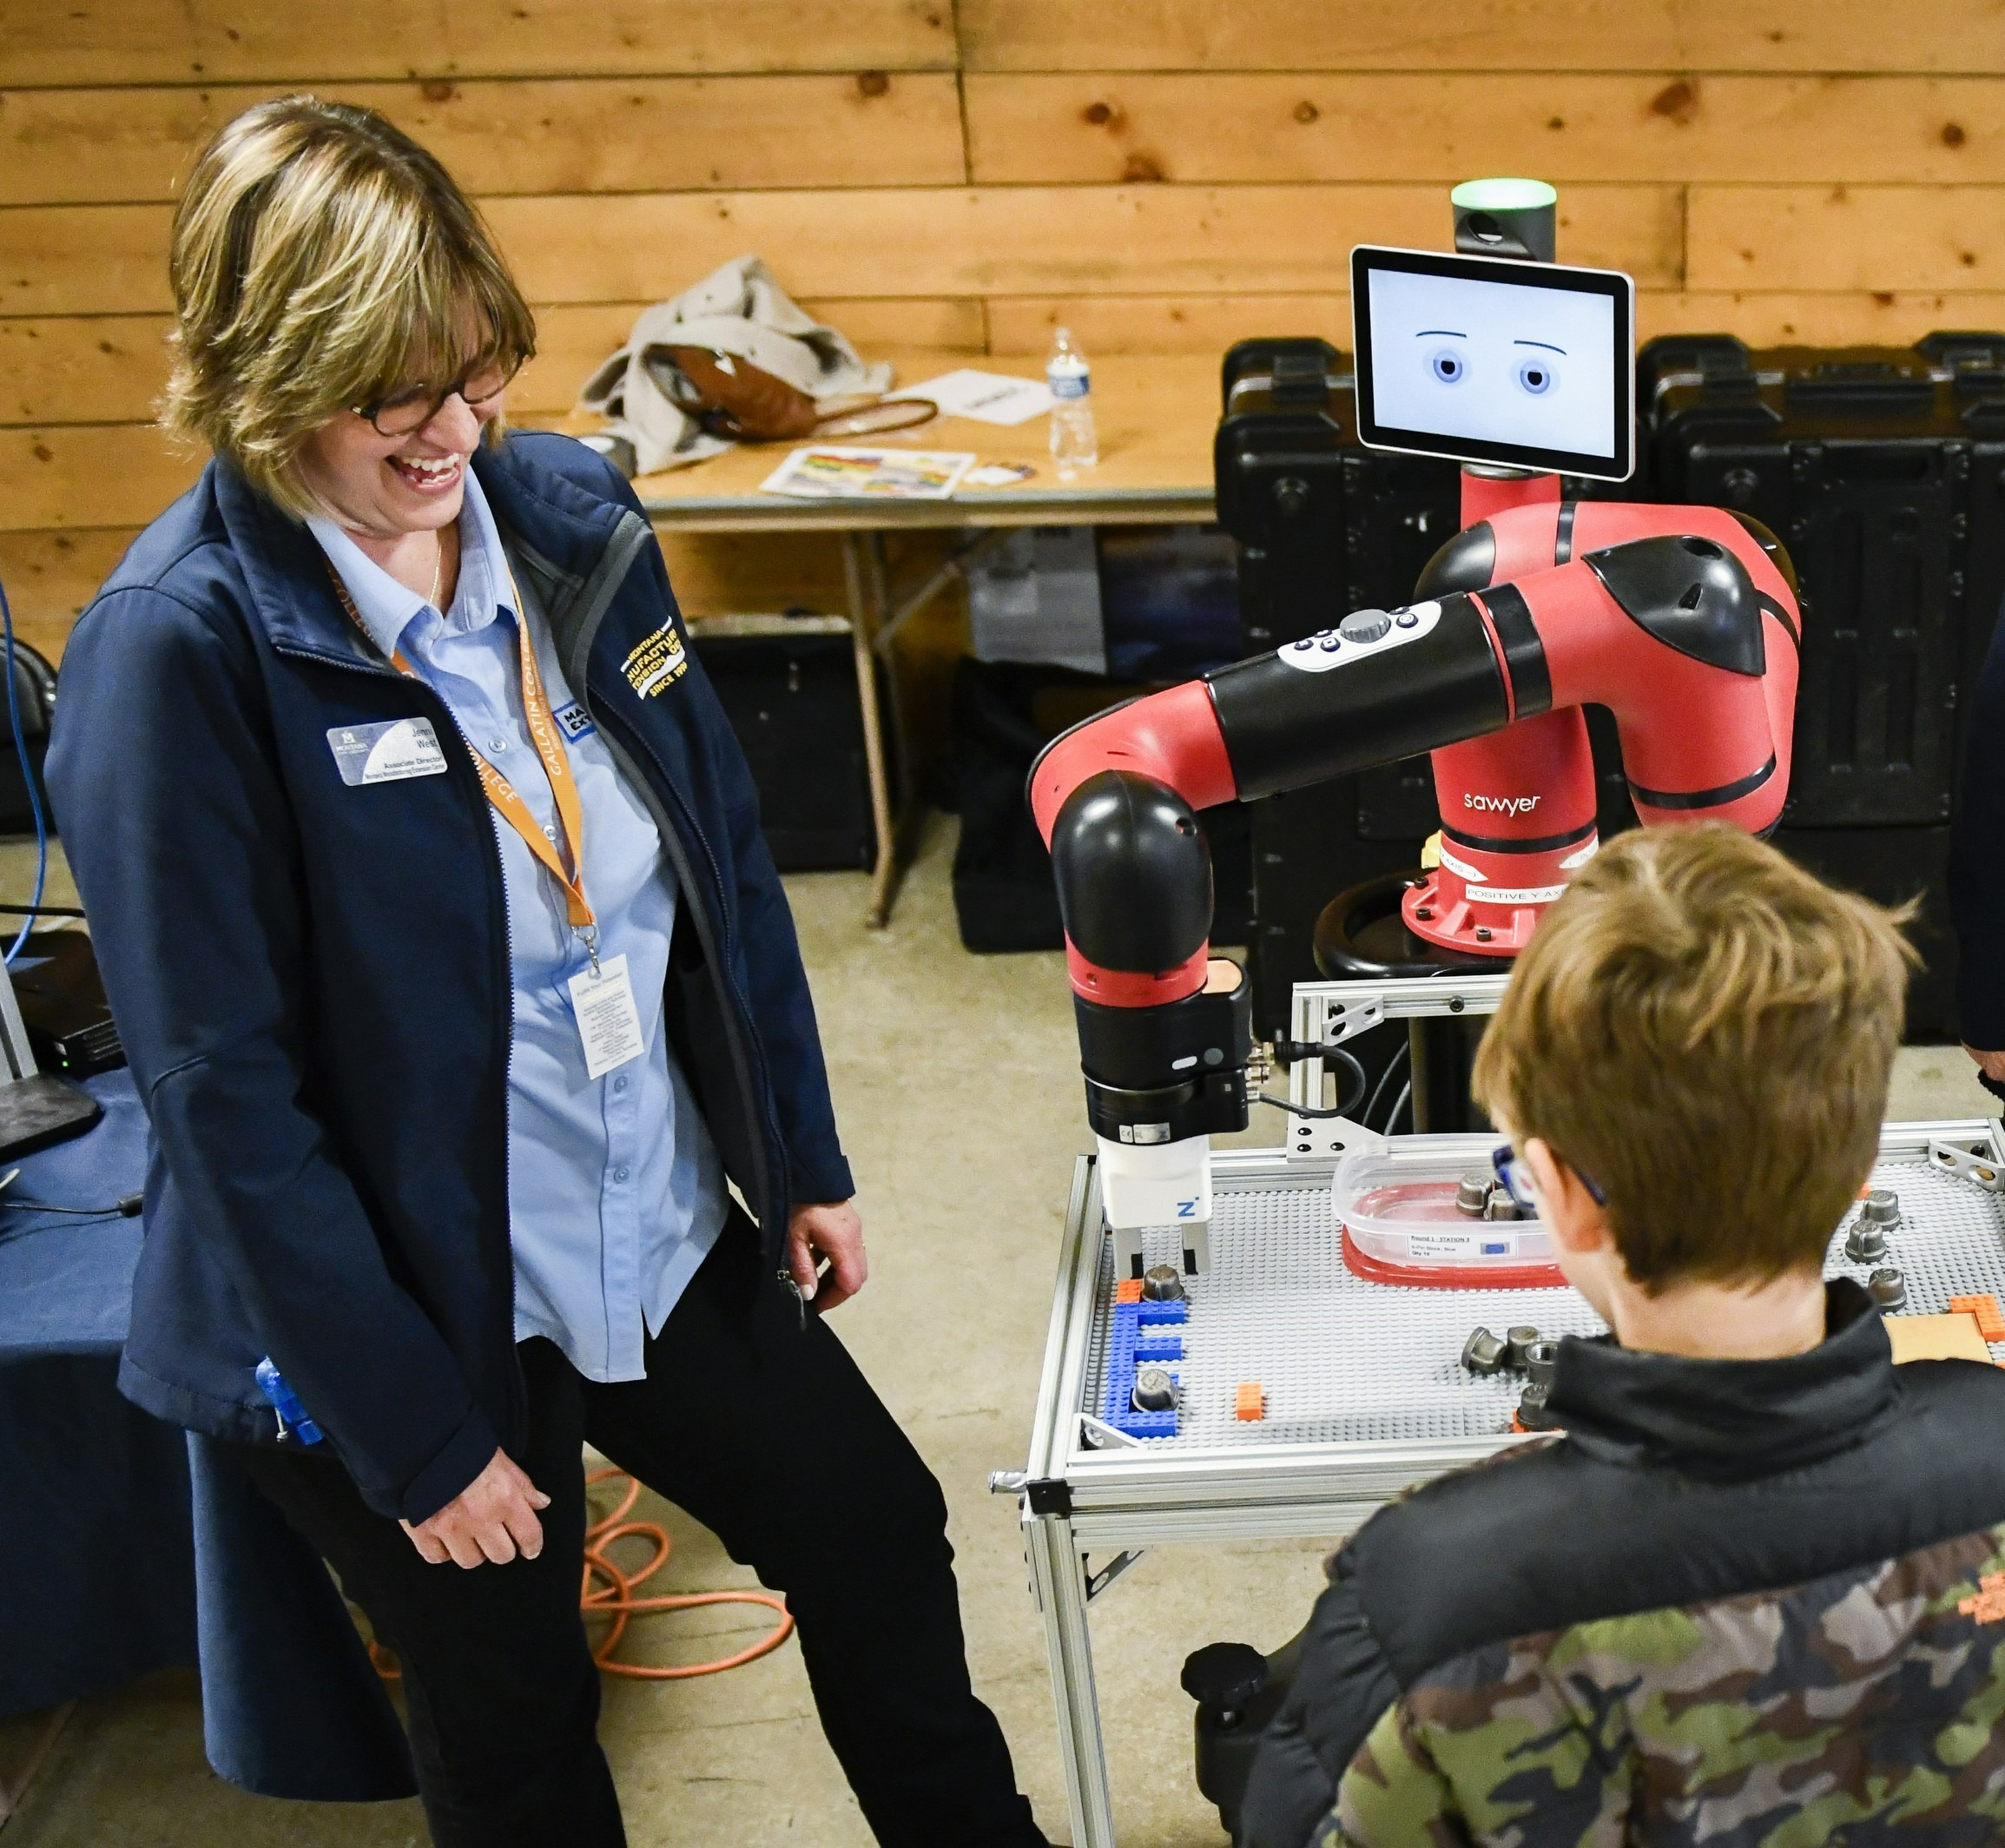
(657,662)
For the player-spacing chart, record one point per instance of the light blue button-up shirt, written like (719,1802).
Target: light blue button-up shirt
(615,1192)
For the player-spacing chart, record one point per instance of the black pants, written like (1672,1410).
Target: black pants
(769,1435)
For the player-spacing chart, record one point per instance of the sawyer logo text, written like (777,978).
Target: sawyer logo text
(1501,804)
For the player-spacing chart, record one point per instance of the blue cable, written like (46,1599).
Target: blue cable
(27,777)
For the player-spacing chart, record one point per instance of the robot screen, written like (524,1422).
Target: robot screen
(1485,360)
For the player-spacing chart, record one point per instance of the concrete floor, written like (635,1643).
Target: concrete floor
(954,1082)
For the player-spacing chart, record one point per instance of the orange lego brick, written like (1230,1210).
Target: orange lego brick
(1250,1401)
(1990,1317)
(1129,1290)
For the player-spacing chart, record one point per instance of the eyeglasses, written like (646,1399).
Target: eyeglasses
(405,413)
(1517,1179)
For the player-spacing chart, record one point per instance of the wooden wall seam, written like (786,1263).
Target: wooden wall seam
(942,177)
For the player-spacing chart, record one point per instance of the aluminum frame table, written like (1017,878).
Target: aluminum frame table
(1076,1500)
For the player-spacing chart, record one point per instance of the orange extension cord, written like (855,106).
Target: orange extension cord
(613,1596)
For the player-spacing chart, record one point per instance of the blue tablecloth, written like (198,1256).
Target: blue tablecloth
(97,1554)
(125,1545)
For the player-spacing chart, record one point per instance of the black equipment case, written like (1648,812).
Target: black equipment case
(787,684)
(1882,471)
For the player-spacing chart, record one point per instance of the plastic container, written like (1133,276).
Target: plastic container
(1074,445)
(1401,1225)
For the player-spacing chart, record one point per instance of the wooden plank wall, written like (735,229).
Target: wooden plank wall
(956,175)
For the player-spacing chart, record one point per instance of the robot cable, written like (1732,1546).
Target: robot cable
(1286,1052)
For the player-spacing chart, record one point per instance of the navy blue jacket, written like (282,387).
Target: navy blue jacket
(312,980)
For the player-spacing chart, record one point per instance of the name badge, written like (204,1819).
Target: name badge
(607,1021)
(385,752)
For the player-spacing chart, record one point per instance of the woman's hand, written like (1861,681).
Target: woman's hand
(492,1518)
(833,1232)
(1992,1065)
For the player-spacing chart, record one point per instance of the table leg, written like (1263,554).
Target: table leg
(862,579)
(1057,1575)
(905,807)
(13,1789)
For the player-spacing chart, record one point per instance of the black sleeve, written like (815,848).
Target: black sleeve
(1341,1686)
(163,773)
(1978,860)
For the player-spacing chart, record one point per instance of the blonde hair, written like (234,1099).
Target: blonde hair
(1707,1033)
(322,259)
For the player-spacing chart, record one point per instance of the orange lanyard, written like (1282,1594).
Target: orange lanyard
(556,766)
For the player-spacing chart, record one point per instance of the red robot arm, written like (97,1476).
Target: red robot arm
(1518,807)
(1678,618)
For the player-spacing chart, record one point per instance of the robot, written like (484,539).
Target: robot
(1683,621)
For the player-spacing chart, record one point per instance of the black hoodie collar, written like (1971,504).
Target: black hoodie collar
(1728,1420)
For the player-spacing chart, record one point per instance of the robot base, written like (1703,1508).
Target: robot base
(1436,914)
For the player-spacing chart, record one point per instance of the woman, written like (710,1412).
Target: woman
(427,880)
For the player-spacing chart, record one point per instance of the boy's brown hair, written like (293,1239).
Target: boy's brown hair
(1706,1032)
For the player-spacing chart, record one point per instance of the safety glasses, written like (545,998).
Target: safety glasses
(1517,1179)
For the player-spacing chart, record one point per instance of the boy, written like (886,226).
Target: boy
(1745,1598)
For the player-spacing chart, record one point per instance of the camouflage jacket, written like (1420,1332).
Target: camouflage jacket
(1740,1604)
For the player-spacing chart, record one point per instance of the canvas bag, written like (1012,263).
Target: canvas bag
(733,357)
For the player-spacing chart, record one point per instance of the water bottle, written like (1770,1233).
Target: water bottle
(1073,444)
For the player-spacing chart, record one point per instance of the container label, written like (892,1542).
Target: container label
(1069,385)
(1453,1246)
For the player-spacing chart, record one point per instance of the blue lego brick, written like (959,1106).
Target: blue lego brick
(1145,1424)
(1139,1332)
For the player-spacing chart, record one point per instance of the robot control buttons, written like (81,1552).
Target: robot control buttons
(1155,1389)
(1359,636)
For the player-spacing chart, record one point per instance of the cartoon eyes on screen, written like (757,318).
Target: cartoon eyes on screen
(1536,373)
